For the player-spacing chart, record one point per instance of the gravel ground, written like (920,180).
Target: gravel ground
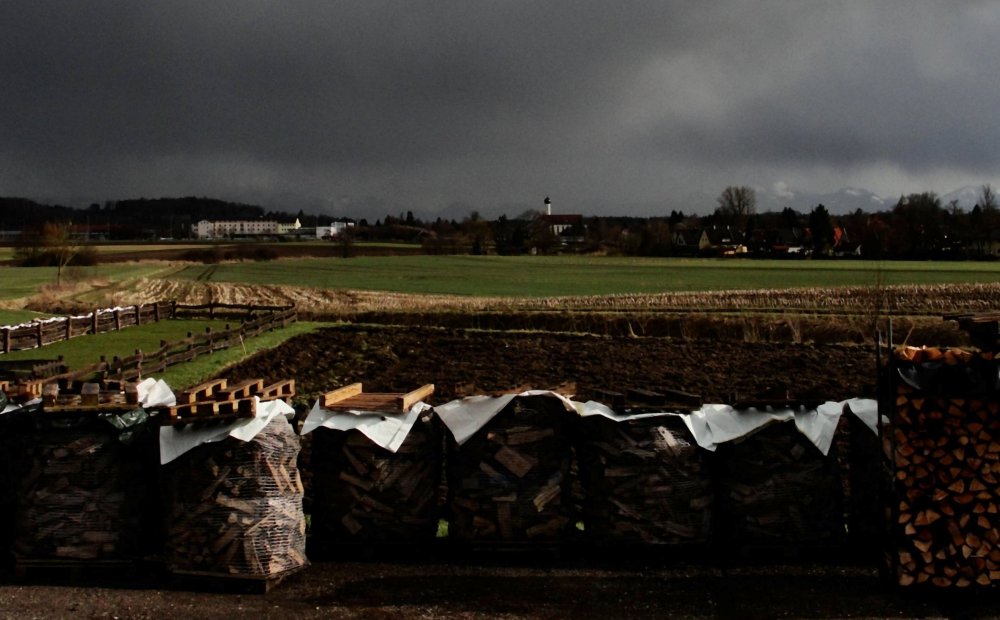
(378,590)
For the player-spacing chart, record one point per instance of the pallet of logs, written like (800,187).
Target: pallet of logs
(510,482)
(365,494)
(83,485)
(778,493)
(646,480)
(234,508)
(944,462)
(217,400)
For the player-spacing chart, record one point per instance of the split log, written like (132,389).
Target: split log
(235,508)
(776,490)
(646,481)
(511,482)
(363,493)
(945,470)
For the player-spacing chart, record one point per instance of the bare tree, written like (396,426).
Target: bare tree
(987,198)
(736,205)
(58,242)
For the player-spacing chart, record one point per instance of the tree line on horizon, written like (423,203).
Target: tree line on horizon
(918,226)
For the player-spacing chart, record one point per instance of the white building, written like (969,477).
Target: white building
(335,229)
(225,229)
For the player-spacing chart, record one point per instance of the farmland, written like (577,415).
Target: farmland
(577,276)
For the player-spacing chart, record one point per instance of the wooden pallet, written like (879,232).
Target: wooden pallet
(216,400)
(201,392)
(91,399)
(354,397)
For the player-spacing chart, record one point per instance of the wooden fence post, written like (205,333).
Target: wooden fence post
(93,321)
(38,335)
(156,312)
(138,315)
(6,340)
(69,327)
(118,319)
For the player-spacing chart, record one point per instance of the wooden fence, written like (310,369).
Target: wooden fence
(40,333)
(260,319)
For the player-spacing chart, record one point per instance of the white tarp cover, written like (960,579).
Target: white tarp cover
(155,393)
(465,416)
(716,424)
(176,441)
(866,410)
(386,429)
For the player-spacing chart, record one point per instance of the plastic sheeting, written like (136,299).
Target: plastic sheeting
(176,441)
(465,416)
(386,429)
(711,425)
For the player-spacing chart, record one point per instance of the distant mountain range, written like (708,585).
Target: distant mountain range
(850,199)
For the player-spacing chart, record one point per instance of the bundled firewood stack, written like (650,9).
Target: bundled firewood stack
(777,490)
(366,493)
(944,461)
(510,482)
(647,482)
(234,508)
(86,491)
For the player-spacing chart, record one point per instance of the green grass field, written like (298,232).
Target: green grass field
(562,275)
(86,350)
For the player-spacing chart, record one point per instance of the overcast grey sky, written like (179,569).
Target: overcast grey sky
(375,107)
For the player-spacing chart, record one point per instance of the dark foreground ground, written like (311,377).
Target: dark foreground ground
(378,590)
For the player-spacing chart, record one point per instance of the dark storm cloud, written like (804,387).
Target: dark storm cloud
(605,105)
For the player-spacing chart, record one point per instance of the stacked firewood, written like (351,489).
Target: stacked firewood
(510,482)
(646,481)
(235,508)
(861,475)
(365,493)
(777,489)
(944,454)
(84,491)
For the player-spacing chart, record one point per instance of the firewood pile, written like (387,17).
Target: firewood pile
(234,508)
(776,489)
(646,481)
(85,489)
(943,456)
(861,467)
(510,482)
(365,493)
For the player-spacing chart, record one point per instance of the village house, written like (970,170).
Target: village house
(721,241)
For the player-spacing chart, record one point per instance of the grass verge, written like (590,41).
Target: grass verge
(194,372)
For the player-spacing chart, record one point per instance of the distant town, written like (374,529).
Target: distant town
(918,226)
